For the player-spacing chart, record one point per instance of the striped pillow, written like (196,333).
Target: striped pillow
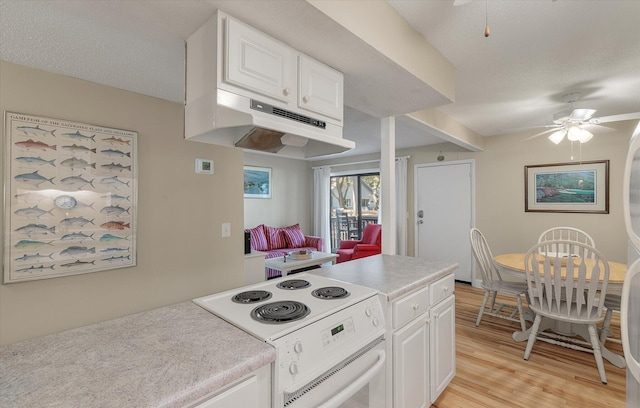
(294,236)
(258,239)
(275,238)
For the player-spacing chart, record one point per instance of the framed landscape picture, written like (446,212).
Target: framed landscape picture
(567,187)
(257,182)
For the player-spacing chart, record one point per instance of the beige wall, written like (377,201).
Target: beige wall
(291,199)
(499,189)
(181,254)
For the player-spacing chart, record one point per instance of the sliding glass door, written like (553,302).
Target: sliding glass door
(355,202)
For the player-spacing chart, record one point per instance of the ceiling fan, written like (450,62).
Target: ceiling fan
(577,124)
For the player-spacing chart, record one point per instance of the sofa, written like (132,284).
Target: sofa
(280,241)
(370,244)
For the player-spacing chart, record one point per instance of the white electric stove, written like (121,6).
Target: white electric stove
(329,337)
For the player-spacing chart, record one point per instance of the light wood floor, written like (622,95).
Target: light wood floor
(491,371)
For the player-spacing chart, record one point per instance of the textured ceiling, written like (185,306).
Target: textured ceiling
(538,50)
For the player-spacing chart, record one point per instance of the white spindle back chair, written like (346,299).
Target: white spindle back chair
(575,296)
(493,284)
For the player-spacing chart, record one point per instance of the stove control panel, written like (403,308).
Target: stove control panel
(338,332)
(311,350)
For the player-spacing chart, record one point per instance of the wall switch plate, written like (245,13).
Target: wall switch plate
(226,230)
(204,166)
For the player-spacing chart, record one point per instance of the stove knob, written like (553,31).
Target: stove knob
(297,347)
(368,311)
(376,322)
(293,368)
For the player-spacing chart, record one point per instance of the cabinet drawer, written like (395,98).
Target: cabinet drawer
(409,307)
(441,289)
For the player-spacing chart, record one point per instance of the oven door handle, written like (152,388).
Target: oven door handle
(352,388)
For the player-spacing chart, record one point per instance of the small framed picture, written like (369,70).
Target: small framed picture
(257,182)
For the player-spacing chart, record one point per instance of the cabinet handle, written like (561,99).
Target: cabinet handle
(285,91)
(416,306)
(305,99)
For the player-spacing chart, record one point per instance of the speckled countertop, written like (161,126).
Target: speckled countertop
(167,357)
(392,275)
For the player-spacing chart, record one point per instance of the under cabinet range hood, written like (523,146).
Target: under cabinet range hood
(229,119)
(248,90)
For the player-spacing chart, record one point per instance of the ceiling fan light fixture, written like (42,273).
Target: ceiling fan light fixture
(577,134)
(557,136)
(574,133)
(585,136)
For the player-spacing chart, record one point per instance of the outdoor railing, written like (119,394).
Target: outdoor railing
(340,231)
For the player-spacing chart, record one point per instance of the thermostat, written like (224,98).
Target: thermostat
(204,166)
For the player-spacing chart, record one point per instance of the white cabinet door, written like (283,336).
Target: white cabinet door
(251,391)
(443,346)
(411,365)
(321,88)
(258,63)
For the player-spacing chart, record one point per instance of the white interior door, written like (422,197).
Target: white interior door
(444,214)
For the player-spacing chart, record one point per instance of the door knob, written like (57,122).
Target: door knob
(420,222)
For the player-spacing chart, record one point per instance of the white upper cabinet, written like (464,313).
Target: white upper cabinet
(265,67)
(321,88)
(258,63)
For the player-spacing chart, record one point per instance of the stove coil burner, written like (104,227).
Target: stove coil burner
(331,292)
(293,284)
(251,296)
(280,312)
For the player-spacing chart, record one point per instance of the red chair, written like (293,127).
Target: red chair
(370,244)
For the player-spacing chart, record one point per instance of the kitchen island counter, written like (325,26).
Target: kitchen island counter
(392,275)
(166,357)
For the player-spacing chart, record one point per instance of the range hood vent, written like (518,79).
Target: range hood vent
(229,119)
(272,110)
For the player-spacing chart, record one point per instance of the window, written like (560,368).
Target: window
(347,221)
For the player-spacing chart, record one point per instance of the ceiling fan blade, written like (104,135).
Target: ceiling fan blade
(461,2)
(542,133)
(594,128)
(581,114)
(517,130)
(615,118)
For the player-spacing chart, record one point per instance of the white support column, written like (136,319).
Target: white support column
(388,184)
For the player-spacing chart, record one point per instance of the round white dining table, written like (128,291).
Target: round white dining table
(515,263)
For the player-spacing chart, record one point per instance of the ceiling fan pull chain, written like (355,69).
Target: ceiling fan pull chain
(487,32)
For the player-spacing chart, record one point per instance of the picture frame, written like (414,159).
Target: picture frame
(257,182)
(567,187)
(70,198)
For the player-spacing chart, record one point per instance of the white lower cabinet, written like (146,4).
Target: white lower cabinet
(443,346)
(253,390)
(423,344)
(254,267)
(411,365)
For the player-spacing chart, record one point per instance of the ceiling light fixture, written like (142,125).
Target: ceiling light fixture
(557,136)
(577,134)
(574,133)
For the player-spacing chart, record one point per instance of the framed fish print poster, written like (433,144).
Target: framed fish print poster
(70,198)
